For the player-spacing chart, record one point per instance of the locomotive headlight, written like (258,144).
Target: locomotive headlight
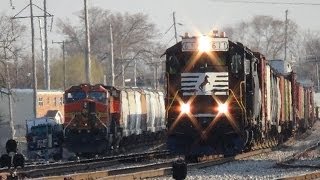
(185,108)
(204,44)
(223,108)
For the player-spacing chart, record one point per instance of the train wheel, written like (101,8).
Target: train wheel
(18,161)
(11,146)
(5,161)
(191,158)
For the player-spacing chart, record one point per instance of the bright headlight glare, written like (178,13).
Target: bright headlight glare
(185,108)
(204,44)
(223,108)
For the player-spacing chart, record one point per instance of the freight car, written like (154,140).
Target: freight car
(99,118)
(223,98)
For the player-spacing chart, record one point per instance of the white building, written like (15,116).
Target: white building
(22,109)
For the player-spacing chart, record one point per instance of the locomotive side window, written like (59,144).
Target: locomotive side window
(75,96)
(247,66)
(97,96)
(173,65)
(236,63)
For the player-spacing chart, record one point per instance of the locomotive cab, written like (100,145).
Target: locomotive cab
(87,118)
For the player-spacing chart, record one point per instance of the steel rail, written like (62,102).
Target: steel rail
(153,170)
(82,165)
(288,162)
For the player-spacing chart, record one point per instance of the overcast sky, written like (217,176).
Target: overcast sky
(195,15)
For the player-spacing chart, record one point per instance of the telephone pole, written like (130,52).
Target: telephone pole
(64,61)
(285,36)
(9,94)
(34,65)
(175,27)
(87,49)
(47,77)
(43,54)
(112,60)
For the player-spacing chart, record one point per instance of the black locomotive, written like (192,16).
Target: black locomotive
(223,98)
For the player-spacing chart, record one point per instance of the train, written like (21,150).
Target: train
(224,98)
(100,119)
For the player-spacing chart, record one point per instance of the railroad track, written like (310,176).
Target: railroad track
(309,176)
(152,170)
(288,162)
(82,165)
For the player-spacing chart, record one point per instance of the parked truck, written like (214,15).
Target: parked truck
(44,138)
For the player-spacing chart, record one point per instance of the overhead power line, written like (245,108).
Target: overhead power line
(267,2)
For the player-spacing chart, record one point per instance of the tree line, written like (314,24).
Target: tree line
(136,38)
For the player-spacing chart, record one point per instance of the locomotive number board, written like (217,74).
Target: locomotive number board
(214,44)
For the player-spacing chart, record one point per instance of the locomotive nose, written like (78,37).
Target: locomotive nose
(89,107)
(92,107)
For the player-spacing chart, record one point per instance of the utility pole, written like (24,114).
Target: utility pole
(47,77)
(64,62)
(87,49)
(112,60)
(11,4)
(43,55)
(317,68)
(16,68)
(175,27)
(285,36)
(122,72)
(9,94)
(122,66)
(135,72)
(34,66)
(156,77)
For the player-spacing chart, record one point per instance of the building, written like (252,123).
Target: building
(49,102)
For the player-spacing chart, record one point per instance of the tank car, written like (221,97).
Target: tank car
(223,98)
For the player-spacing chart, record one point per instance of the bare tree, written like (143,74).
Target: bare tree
(134,37)
(308,55)
(265,34)
(10,33)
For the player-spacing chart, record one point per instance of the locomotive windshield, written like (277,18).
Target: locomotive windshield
(74,96)
(208,63)
(97,96)
(193,62)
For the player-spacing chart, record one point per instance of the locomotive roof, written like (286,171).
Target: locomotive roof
(76,87)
